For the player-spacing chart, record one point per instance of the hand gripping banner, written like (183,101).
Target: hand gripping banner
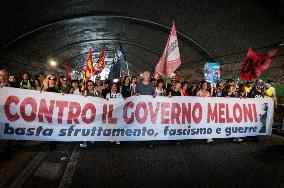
(31,115)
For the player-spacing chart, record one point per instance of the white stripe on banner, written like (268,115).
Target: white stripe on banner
(31,115)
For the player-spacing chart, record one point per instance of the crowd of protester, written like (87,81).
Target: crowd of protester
(128,86)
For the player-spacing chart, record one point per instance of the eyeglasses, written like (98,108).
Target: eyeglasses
(52,79)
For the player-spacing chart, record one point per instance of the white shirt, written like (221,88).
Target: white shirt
(160,92)
(133,89)
(114,96)
(76,92)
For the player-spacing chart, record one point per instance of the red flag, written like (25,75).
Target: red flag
(170,59)
(100,65)
(89,69)
(254,64)
(68,71)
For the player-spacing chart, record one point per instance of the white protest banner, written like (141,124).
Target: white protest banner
(31,115)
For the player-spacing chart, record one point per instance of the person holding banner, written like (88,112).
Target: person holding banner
(219,89)
(145,87)
(4,75)
(202,91)
(114,93)
(270,91)
(13,81)
(89,92)
(248,87)
(125,87)
(133,85)
(26,83)
(184,88)
(50,84)
(106,88)
(64,87)
(37,85)
(99,90)
(90,89)
(231,92)
(75,87)
(159,90)
(175,90)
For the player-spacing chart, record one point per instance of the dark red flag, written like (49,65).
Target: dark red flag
(68,71)
(100,65)
(254,64)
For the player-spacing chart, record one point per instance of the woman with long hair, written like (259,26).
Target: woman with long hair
(75,87)
(114,92)
(37,85)
(50,84)
(159,90)
(184,88)
(133,85)
(125,87)
(202,91)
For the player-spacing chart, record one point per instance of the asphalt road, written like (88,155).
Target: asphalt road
(137,164)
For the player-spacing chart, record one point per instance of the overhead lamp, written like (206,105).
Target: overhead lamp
(53,63)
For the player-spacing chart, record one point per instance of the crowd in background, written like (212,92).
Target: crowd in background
(128,86)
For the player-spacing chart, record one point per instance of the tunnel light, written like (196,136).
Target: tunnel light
(115,80)
(53,63)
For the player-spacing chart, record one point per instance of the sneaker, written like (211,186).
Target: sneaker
(210,141)
(237,139)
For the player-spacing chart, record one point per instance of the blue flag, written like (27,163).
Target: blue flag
(119,65)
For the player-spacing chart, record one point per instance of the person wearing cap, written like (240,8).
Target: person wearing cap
(269,91)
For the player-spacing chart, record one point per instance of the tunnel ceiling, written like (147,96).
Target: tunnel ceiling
(34,31)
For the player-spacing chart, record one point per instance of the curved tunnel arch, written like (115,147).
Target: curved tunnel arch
(103,41)
(162,27)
